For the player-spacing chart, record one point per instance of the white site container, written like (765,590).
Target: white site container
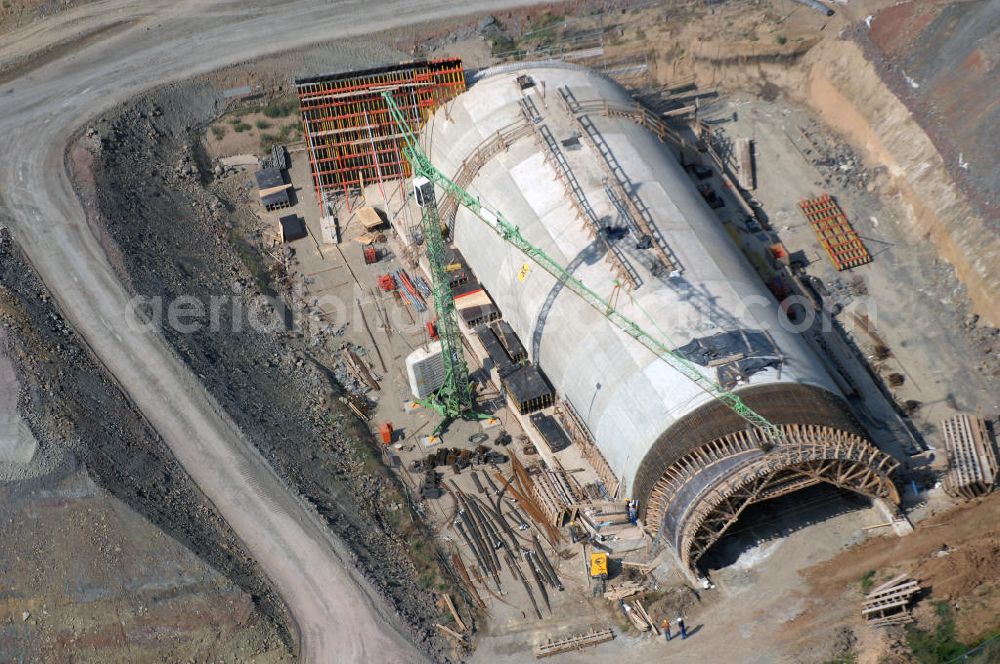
(425,369)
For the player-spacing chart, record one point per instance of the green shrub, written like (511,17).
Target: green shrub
(240,127)
(280,108)
(503,45)
(218,131)
(262,124)
(868,581)
(940,645)
(843,659)
(781,39)
(267,141)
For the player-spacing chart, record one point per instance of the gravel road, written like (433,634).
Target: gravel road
(45,100)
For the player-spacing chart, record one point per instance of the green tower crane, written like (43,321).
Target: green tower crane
(429,175)
(454,399)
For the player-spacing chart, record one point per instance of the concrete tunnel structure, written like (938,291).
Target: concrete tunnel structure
(563,152)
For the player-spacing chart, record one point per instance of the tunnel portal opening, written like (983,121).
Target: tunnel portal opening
(778,518)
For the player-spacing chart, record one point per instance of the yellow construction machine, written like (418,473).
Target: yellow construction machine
(599,571)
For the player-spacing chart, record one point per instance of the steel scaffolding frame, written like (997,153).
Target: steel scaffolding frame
(351,138)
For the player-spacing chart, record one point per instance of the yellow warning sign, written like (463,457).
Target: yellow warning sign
(522,274)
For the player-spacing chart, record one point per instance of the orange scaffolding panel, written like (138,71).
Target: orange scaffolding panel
(350,134)
(835,232)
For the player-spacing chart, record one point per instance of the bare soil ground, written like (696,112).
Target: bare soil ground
(87,574)
(127,593)
(941,58)
(16,13)
(175,228)
(954,555)
(254,129)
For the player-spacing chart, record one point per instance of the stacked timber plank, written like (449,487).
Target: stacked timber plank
(744,163)
(623,590)
(835,232)
(889,604)
(360,370)
(972,461)
(569,644)
(370,217)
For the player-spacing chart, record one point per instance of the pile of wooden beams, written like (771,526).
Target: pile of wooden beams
(835,232)
(636,613)
(359,370)
(744,164)
(972,461)
(623,590)
(594,517)
(889,604)
(569,644)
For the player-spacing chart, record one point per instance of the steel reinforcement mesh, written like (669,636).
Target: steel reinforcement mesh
(781,404)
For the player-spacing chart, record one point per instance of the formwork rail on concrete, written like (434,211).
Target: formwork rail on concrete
(972,461)
(617,178)
(497,142)
(835,233)
(555,157)
(580,434)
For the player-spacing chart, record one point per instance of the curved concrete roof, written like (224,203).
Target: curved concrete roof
(627,396)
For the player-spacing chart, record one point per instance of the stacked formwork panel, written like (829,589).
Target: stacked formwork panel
(835,233)
(350,135)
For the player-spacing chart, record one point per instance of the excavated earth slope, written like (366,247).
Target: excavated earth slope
(942,62)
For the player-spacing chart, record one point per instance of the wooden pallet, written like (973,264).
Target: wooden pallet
(889,604)
(578,642)
(835,232)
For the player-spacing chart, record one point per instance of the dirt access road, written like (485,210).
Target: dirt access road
(54,76)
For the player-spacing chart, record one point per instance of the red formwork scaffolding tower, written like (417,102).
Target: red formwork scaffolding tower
(350,135)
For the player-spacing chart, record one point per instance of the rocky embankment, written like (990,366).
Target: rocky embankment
(142,180)
(79,416)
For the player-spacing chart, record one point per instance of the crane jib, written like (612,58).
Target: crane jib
(509,232)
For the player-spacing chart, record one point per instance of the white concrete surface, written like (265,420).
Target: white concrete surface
(627,396)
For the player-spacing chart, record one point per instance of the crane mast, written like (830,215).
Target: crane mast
(509,232)
(454,398)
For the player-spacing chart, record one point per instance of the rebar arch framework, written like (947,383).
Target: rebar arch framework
(351,138)
(702,494)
